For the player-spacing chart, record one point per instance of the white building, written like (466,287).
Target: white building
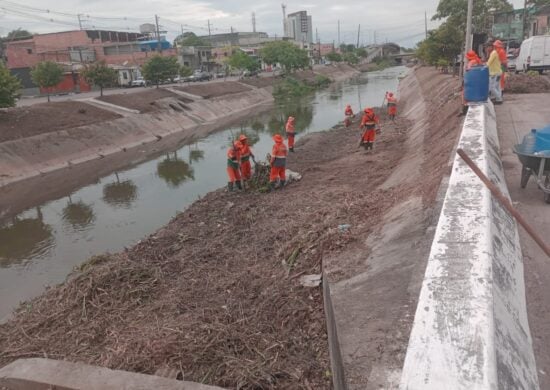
(298,27)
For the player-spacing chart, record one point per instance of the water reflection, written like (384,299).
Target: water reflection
(120,193)
(195,155)
(24,237)
(175,171)
(79,215)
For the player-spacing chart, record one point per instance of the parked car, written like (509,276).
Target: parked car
(200,75)
(250,73)
(139,82)
(220,75)
(534,54)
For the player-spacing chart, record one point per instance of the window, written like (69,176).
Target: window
(125,75)
(29,51)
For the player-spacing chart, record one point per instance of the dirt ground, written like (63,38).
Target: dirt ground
(49,117)
(209,294)
(210,90)
(524,83)
(142,101)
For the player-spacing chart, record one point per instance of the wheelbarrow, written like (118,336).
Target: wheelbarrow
(536,165)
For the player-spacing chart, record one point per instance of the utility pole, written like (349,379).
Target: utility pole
(469,26)
(524,35)
(358,32)
(253,21)
(283,6)
(79,21)
(426,23)
(181,25)
(159,47)
(375,37)
(209,33)
(338,34)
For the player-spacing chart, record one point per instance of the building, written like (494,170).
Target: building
(540,21)
(73,49)
(237,39)
(508,26)
(197,57)
(298,27)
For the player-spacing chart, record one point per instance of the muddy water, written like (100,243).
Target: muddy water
(42,245)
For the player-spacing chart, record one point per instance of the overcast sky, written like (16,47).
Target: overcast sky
(400,21)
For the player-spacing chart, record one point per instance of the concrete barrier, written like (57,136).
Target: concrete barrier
(470,329)
(46,374)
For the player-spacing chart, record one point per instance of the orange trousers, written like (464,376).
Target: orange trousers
(277,172)
(369,135)
(290,137)
(234,174)
(246,170)
(392,110)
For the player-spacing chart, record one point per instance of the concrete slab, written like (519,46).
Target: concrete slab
(515,118)
(46,374)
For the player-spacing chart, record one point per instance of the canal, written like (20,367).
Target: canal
(41,246)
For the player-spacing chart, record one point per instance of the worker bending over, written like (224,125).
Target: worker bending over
(278,162)
(348,113)
(233,166)
(246,154)
(392,105)
(290,132)
(369,122)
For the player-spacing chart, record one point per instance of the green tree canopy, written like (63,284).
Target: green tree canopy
(240,60)
(454,11)
(190,39)
(9,88)
(361,52)
(345,48)
(17,34)
(350,58)
(47,74)
(185,71)
(100,74)
(159,69)
(334,57)
(287,54)
(445,43)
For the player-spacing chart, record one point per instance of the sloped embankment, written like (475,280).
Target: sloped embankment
(217,292)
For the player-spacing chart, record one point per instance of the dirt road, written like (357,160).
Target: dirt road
(515,118)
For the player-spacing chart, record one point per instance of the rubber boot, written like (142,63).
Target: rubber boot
(239,185)
(283,182)
(271,186)
(230,186)
(291,149)
(371,145)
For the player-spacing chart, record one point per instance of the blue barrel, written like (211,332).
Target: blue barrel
(476,84)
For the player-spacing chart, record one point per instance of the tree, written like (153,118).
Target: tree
(287,54)
(185,71)
(334,57)
(361,52)
(347,48)
(100,74)
(159,69)
(240,60)
(47,74)
(350,58)
(18,34)
(190,39)
(454,11)
(9,88)
(444,43)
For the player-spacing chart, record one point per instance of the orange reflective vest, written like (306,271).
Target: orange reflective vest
(349,111)
(246,152)
(233,157)
(392,101)
(278,155)
(289,128)
(369,120)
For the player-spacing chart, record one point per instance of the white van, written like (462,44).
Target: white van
(534,54)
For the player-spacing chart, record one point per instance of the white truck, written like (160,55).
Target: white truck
(534,54)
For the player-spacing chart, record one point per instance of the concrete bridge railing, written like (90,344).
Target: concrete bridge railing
(470,329)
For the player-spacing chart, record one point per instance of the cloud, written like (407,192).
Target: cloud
(391,20)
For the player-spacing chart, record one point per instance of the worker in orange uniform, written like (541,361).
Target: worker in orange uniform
(392,105)
(349,115)
(503,57)
(473,60)
(290,132)
(278,162)
(234,166)
(369,122)
(246,154)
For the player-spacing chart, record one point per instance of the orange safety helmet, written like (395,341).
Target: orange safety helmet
(498,43)
(243,138)
(278,139)
(390,94)
(368,110)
